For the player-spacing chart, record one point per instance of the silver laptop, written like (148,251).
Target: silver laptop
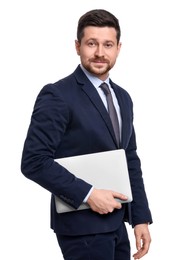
(104,170)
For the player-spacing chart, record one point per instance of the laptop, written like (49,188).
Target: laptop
(104,170)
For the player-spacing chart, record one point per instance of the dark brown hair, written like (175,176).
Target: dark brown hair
(98,18)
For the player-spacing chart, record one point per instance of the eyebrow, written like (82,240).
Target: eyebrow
(95,39)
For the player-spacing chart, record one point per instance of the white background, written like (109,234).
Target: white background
(36,48)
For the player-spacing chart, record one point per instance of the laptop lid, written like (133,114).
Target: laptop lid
(104,170)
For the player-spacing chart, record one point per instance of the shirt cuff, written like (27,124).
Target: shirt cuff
(88,194)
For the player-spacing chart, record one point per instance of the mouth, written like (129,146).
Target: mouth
(99,61)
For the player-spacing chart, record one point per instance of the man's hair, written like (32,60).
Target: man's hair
(97,18)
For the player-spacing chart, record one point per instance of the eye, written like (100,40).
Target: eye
(108,45)
(91,43)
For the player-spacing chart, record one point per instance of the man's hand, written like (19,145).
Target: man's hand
(103,201)
(143,240)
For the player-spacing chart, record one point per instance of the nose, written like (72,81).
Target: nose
(99,51)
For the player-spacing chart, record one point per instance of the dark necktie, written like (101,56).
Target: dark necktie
(112,111)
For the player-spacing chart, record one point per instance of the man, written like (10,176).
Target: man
(71,118)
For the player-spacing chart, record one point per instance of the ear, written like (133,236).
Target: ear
(77,47)
(119,47)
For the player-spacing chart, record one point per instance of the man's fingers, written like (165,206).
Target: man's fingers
(119,196)
(104,202)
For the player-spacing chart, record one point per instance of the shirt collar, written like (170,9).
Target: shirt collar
(94,80)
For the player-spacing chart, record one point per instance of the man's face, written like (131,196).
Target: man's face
(98,50)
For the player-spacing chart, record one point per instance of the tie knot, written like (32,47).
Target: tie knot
(104,86)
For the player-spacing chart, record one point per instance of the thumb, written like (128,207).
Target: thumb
(138,243)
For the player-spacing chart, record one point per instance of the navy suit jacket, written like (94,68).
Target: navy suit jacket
(69,118)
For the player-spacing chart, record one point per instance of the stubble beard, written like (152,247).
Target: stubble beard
(98,71)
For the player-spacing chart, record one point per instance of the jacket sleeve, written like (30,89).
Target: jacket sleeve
(49,121)
(140,212)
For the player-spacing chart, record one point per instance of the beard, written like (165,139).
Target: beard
(98,69)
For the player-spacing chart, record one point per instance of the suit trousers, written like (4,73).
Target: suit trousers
(105,246)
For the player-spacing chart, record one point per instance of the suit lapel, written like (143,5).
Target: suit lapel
(94,97)
(124,115)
